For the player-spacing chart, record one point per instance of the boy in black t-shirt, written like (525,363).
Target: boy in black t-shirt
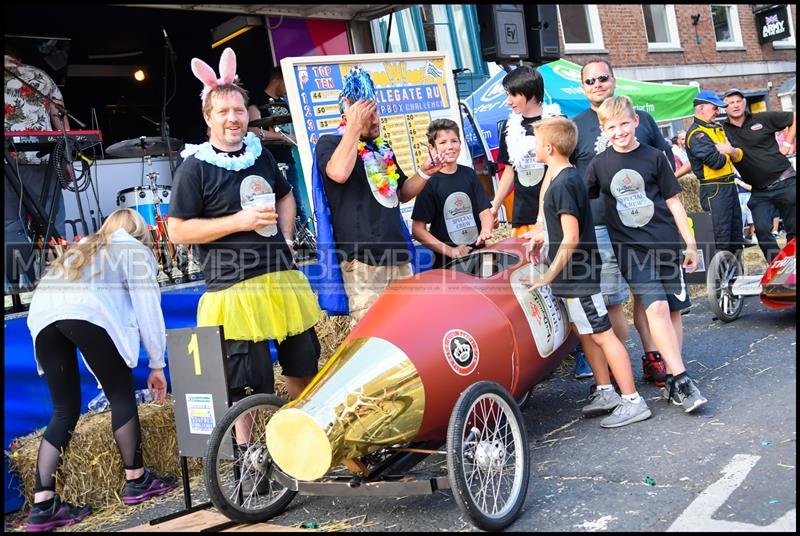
(646,221)
(574,273)
(525,88)
(453,202)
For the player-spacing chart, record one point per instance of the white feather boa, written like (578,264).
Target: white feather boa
(518,146)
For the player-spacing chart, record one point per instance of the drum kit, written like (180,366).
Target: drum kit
(176,263)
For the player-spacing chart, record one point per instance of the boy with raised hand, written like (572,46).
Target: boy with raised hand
(646,222)
(574,272)
(454,203)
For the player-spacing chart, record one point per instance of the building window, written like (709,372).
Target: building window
(789,42)
(433,27)
(580,25)
(726,26)
(661,27)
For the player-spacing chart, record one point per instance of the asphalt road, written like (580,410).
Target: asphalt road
(731,465)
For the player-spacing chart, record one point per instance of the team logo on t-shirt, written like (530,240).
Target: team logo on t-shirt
(251,186)
(459,220)
(529,171)
(635,209)
(461,351)
(756,126)
(601,143)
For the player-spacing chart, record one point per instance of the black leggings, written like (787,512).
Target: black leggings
(56,352)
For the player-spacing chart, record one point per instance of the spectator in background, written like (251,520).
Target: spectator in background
(679,150)
(712,158)
(764,166)
(30,98)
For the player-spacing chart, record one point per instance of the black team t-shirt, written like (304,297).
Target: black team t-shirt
(634,188)
(452,203)
(567,195)
(528,176)
(203,190)
(364,229)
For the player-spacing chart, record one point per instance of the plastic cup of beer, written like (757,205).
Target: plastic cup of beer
(267,200)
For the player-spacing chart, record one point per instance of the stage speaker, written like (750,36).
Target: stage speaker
(503,32)
(541,25)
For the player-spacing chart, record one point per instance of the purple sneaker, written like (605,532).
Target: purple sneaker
(60,514)
(153,485)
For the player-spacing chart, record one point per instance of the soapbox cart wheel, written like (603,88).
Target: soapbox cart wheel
(723,270)
(488,457)
(238,477)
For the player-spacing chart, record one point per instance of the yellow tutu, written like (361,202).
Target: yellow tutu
(270,306)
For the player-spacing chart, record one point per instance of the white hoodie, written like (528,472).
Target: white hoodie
(117,292)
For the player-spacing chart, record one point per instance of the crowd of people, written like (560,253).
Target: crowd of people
(596,199)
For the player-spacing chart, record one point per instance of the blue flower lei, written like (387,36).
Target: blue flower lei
(206,153)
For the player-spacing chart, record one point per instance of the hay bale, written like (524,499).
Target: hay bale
(91,469)
(690,196)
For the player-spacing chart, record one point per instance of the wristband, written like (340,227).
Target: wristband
(422,174)
(540,219)
(787,144)
(290,243)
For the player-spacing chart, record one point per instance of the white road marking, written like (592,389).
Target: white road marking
(698,516)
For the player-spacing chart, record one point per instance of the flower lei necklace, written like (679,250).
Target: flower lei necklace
(385,181)
(518,146)
(206,153)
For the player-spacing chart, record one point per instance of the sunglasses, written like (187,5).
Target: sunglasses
(601,78)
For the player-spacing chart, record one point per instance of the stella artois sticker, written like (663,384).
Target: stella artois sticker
(545,313)
(461,351)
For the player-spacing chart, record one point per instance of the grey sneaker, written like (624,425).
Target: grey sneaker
(601,402)
(684,393)
(627,413)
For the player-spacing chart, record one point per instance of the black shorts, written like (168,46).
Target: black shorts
(655,275)
(250,363)
(588,313)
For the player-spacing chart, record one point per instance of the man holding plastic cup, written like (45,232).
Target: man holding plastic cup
(238,208)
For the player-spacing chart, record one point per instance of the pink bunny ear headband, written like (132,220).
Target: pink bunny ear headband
(204,73)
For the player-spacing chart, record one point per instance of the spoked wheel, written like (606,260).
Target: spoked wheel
(723,270)
(488,456)
(237,470)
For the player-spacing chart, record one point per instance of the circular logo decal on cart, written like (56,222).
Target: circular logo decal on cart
(461,351)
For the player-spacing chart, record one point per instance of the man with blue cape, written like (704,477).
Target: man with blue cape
(358,190)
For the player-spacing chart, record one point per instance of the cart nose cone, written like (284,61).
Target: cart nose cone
(298,444)
(368,396)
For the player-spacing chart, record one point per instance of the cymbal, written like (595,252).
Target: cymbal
(270,121)
(139,147)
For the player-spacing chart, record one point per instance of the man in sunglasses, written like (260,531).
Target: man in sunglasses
(712,158)
(598,84)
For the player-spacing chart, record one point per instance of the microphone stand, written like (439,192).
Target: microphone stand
(168,55)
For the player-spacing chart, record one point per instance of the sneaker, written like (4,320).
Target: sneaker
(152,486)
(684,393)
(593,387)
(654,369)
(60,514)
(582,368)
(601,402)
(627,413)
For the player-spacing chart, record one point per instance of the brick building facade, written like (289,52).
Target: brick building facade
(689,52)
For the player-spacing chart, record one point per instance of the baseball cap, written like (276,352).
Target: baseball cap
(733,91)
(708,96)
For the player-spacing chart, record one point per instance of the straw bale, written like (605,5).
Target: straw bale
(690,196)
(91,470)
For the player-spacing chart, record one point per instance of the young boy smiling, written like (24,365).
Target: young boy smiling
(646,221)
(454,202)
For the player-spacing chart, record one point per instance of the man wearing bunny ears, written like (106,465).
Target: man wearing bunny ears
(364,187)
(254,288)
